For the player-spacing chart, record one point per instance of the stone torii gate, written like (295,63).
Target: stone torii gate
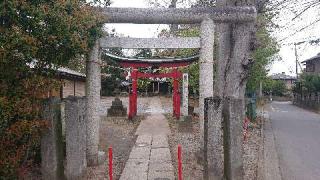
(204,16)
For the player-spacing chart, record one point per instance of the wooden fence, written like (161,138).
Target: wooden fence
(308,100)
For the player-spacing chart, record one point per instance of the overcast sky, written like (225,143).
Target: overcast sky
(286,35)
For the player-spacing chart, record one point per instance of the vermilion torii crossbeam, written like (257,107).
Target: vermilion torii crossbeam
(160,75)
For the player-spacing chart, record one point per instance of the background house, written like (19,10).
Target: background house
(287,79)
(312,65)
(73,83)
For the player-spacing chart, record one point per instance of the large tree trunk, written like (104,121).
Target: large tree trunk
(233,54)
(231,77)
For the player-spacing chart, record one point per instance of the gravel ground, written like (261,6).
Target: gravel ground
(187,134)
(119,133)
(251,150)
(143,104)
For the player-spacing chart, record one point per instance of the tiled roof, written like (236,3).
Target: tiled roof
(317,57)
(281,76)
(70,71)
(60,69)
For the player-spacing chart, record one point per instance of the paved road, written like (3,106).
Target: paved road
(297,138)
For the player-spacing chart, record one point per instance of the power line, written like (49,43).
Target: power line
(317,40)
(305,27)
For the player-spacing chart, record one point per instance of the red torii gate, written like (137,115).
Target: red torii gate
(133,96)
(136,63)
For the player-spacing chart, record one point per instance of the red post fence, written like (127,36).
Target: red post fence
(179,163)
(245,127)
(110,162)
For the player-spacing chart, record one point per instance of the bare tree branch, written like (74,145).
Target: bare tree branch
(305,27)
(305,9)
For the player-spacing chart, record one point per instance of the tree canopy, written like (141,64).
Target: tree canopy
(307,83)
(35,36)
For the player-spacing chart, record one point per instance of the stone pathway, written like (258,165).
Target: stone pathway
(150,158)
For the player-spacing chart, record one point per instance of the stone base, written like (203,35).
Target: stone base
(97,159)
(200,157)
(186,118)
(117,109)
(190,110)
(117,112)
(101,157)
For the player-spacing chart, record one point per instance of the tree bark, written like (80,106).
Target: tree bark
(232,72)
(233,54)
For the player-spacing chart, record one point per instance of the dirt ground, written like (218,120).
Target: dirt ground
(117,132)
(251,149)
(187,135)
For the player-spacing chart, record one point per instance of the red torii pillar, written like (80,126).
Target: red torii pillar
(176,93)
(133,96)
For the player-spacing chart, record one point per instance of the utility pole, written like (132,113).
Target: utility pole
(296,54)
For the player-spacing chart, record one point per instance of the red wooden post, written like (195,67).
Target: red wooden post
(179,163)
(176,97)
(173,94)
(134,90)
(245,126)
(174,102)
(130,106)
(110,163)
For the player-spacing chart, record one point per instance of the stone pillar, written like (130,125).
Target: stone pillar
(75,137)
(51,142)
(233,116)
(213,139)
(206,69)
(93,86)
(185,94)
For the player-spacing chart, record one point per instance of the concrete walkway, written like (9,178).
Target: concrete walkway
(150,158)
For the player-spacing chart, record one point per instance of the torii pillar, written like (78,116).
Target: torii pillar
(206,69)
(93,87)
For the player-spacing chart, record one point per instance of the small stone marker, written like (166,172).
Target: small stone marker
(51,142)
(76,164)
(117,108)
(213,139)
